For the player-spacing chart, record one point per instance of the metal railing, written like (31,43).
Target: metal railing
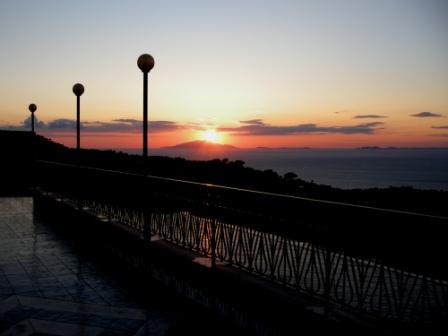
(383,263)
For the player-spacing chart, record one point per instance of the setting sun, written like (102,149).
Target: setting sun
(211,136)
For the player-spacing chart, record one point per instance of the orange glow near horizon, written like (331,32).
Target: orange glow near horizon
(118,141)
(158,140)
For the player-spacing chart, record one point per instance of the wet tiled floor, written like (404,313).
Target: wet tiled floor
(48,288)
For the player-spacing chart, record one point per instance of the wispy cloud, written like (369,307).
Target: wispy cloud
(127,120)
(258,127)
(61,124)
(114,126)
(442,135)
(24,125)
(426,115)
(27,123)
(252,122)
(130,126)
(165,126)
(199,126)
(440,127)
(368,116)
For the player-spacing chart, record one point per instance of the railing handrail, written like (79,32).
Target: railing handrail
(257,192)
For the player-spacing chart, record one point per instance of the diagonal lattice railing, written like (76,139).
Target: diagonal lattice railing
(379,262)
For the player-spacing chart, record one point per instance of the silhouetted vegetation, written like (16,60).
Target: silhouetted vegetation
(236,174)
(17,145)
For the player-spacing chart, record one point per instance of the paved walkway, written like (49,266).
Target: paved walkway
(48,288)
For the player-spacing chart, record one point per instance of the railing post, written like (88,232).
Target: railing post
(213,243)
(210,214)
(146,215)
(146,226)
(327,280)
(147,258)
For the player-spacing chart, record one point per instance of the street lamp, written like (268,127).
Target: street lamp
(32,109)
(145,62)
(78,90)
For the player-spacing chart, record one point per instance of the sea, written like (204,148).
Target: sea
(342,168)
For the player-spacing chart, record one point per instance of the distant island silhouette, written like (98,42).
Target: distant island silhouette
(401,148)
(200,144)
(282,148)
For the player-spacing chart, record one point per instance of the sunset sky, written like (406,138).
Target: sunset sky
(335,73)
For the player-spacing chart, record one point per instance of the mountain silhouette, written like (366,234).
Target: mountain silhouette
(199,144)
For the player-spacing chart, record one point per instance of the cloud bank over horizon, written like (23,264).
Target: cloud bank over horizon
(114,126)
(259,127)
(369,116)
(246,127)
(426,115)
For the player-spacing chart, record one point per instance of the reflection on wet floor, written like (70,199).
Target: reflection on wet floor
(48,287)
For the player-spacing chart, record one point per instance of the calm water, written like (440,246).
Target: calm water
(343,168)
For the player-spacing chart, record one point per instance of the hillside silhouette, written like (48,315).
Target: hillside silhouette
(236,174)
(217,171)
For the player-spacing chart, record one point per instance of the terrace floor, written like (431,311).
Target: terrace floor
(47,287)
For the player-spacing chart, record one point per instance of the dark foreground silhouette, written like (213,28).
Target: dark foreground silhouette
(378,262)
(221,171)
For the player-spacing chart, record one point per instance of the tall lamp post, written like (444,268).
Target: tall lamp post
(78,90)
(145,62)
(32,109)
